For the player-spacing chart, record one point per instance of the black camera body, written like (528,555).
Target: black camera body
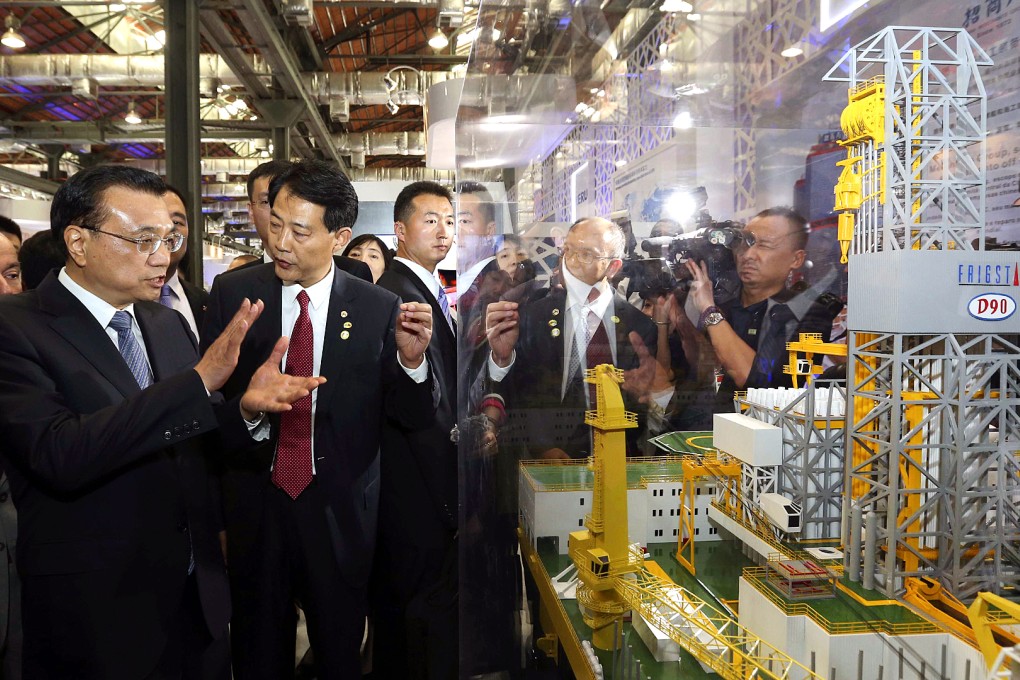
(712,244)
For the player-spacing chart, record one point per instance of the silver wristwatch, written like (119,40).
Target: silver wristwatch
(712,318)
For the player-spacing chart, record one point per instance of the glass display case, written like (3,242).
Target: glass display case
(679,189)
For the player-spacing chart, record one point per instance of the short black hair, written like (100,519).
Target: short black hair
(796,222)
(323,184)
(402,209)
(79,200)
(9,226)
(39,255)
(171,189)
(271,169)
(365,238)
(484,198)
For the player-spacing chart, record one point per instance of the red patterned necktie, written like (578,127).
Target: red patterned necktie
(292,471)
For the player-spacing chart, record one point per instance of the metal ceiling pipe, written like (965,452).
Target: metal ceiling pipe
(405,87)
(107,69)
(381,143)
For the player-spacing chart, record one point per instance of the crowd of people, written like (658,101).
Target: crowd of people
(192,469)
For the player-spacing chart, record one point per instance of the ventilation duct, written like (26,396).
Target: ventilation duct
(106,70)
(381,143)
(406,87)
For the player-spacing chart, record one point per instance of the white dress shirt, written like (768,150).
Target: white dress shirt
(103,311)
(179,301)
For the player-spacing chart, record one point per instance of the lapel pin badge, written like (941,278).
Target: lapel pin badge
(556,332)
(552,322)
(556,312)
(348,324)
(615,319)
(343,313)
(344,335)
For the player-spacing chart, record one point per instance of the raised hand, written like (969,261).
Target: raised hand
(413,333)
(701,286)
(637,381)
(502,328)
(270,391)
(220,360)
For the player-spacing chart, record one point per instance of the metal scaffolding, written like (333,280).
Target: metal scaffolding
(934,390)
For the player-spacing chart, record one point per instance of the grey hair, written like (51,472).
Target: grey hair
(617,239)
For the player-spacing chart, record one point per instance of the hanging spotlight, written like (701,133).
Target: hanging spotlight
(132,117)
(11,38)
(792,51)
(438,41)
(392,107)
(683,120)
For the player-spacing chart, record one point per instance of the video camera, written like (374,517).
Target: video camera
(712,244)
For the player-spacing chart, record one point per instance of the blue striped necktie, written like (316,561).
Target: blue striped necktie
(166,296)
(132,352)
(444,304)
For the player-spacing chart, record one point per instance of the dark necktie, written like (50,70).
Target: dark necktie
(444,304)
(292,471)
(129,348)
(166,298)
(772,355)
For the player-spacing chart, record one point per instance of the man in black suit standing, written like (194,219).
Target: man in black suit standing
(258,209)
(301,515)
(415,585)
(539,354)
(177,293)
(102,408)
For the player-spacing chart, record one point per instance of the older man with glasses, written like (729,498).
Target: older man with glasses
(108,431)
(539,353)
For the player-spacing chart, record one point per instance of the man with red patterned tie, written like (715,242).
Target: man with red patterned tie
(539,353)
(301,514)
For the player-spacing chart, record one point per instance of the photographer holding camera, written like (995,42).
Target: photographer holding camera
(749,333)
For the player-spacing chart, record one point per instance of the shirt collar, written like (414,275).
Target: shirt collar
(578,291)
(427,277)
(175,285)
(102,310)
(318,293)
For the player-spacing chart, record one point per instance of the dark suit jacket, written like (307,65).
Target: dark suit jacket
(364,386)
(110,482)
(343,263)
(539,418)
(198,300)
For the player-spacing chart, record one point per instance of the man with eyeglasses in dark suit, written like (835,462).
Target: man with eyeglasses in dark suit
(105,414)
(539,353)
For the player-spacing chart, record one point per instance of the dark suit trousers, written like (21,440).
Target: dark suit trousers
(297,562)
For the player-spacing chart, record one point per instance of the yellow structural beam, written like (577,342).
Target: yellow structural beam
(810,344)
(980,614)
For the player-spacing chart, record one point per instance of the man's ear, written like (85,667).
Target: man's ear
(75,240)
(614,268)
(400,230)
(342,237)
(798,259)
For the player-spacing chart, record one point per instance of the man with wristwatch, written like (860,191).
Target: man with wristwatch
(749,334)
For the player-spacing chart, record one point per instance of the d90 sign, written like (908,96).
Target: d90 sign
(991,307)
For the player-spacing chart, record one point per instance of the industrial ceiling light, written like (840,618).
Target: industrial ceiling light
(683,119)
(11,38)
(794,50)
(132,117)
(676,6)
(438,41)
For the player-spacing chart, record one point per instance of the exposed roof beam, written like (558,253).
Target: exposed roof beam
(411,59)
(280,58)
(26,180)
(91,133)
(356,31)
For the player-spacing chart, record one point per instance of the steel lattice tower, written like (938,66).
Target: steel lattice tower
(934,382)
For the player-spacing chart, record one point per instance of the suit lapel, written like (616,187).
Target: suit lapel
(439,324)
(165,358)
(341,310)
(81,330)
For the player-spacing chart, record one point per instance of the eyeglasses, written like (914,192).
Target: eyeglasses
(585,257)
(147,245)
